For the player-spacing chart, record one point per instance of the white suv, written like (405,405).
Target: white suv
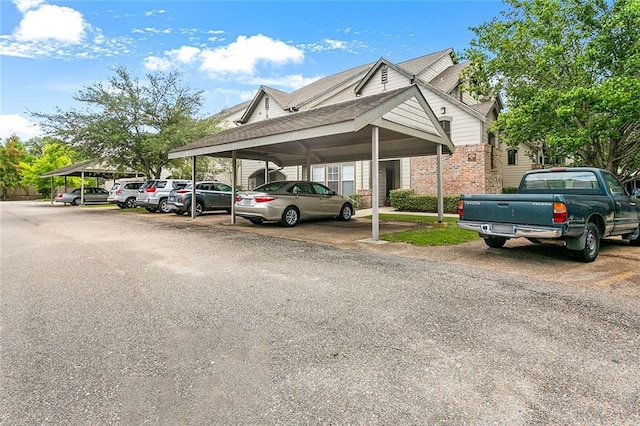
(124,193)
(154,193)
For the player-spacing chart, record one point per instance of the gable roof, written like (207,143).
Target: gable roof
(92,167)
(372,70)
(448,79)
(417,65)
(333,133)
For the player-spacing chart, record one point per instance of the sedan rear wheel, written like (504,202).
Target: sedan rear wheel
(346,212)
(290,216)
(76,201)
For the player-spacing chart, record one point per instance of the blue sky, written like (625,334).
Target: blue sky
(51,49)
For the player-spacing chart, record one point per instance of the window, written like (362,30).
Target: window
(333,177)
(339,177)
(512,157)
(348,179)
(446,126)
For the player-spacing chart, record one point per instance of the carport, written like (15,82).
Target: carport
(392,124)
(88,168)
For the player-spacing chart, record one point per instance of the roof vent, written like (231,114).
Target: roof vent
(384,76)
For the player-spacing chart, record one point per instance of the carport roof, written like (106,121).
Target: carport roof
(334,133)
(93,168)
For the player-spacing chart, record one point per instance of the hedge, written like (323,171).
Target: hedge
(405,200)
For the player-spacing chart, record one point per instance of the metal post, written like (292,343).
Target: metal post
(193,187)
(440,186)
(233,187)
(82,188)
(375,196)
(266,171)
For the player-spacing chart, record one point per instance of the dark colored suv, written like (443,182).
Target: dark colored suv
(210,195)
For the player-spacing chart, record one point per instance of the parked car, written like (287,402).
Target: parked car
(210,195)
(91,196)
(291,201)
(124,193)
(570,207)
(154,193)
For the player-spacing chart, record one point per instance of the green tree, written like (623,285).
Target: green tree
(207,168)
(11,154)
(130,124)
(55,155)
(570,74)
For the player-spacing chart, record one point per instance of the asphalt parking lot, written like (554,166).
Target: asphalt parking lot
(126,317)
(616,270)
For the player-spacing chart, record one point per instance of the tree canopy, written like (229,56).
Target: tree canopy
(569,71)
(131,124)
(12,152)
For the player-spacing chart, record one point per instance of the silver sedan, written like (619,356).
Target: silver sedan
(91,195)
(288,202)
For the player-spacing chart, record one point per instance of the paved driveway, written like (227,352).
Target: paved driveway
(616,270)
(113,317)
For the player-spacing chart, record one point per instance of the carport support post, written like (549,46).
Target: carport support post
(375,176)
(440,185)
(82,188)
(234,160)
(266,171)
(193,187)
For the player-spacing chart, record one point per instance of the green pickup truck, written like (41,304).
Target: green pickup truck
(572,207)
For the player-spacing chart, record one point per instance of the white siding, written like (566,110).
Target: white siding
(395,80)
(261,113)
(465,128)
(511,175)
(410,114)
(405,173)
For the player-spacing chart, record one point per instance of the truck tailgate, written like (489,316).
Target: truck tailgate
(524,209)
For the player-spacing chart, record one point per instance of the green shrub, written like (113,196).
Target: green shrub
(404,200)
(357,200)
(509,190)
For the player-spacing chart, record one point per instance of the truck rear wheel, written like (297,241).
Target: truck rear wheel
(635,242)
(591,245)
(495,242)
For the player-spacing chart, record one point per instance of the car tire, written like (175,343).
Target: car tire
(346,211)
(163,206)
(76,201)
(121,205)
(635,242)
(591,245)
(495,242)
(130,203)
(255,221)
(290,216)
(199,208)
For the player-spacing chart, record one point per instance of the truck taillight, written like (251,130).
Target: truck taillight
(559,212)
(460,208)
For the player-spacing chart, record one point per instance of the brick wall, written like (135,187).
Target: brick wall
(468,171)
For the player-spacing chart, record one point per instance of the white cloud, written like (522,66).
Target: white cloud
(14,124)
(242,57)
(24,5)
(185,54)
(244,54)
(52,22)
(154,63)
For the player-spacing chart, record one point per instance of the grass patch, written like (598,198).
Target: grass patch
(446,233)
